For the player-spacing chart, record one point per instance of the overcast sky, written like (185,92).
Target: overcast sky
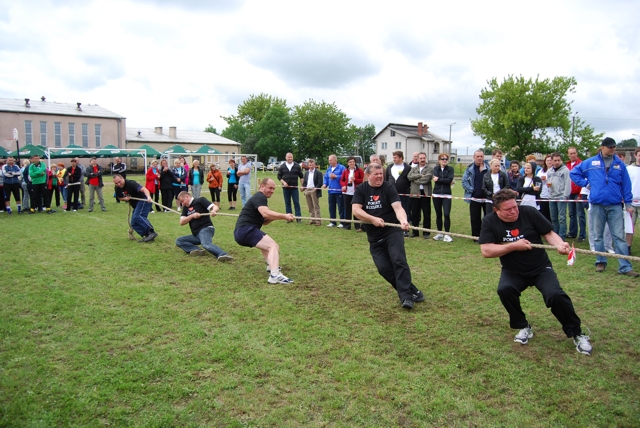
(185,63)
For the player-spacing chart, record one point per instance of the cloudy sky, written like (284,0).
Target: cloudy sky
(185,63)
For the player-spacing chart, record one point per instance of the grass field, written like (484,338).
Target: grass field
(98,330)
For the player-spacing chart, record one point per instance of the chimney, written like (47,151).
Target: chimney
(172,132)
(420,129)
(139,134)
(43,98)
(26,102)
(79,108)
(159,130)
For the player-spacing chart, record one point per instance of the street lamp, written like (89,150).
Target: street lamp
(450,130)
(468,150)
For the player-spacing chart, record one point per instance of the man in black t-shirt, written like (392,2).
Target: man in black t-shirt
(255,214)
(377,202)
(198,212)
(127,189)
(508,233)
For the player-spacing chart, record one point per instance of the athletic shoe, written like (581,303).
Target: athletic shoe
(225,258)
(90,210)
(582,344)
(340,225)
(269,269)
(198,253)
(104,209)
(407,304)
(331,225)
(600,267)
(524,335)
(418,297)
(150,237)
(611,251)
(280,279)
(75,211)
(631,273)
(152,212)
(447,238)
(438,237)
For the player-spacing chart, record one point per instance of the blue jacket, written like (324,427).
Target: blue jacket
(606,188)
(334,185)
(11,174)
(468,180)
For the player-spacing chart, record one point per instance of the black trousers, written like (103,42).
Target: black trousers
(167,197)
(442,205)
(511,285)
(421,206)
(232,192)
(75,192)
(391,260)
(476,211)
(40,196)
(348,212)
(544,209)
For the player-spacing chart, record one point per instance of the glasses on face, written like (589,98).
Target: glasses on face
(444,159)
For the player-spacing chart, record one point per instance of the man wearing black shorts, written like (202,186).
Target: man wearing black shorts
(508,233)
(255,214)
(377,202)
(198,212)
(127,189)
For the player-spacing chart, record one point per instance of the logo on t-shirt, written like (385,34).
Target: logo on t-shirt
(512,236)
(374,203)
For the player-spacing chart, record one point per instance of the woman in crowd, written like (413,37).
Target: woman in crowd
(52,184)
(493,181)
(196,178)
(443,176)
(26,186)
(544,191)
(351,177)
(62,182)
(214,178)
(186,170)
(232,184)
(529,185)
(152,182)
(179,180)
(166,184)
(73,176)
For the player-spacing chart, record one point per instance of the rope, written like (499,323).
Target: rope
(131,235)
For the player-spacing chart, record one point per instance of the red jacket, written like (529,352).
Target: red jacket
(358,176)
(575,189)
(151,178)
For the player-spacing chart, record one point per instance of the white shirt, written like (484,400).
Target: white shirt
(496,185)
(310,182)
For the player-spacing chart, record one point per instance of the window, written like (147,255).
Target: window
(43,133)
(57,137)
(398,145)
(384,146)
(72,133)
(28,132)
(436,147)
(98,128)
(393,133)
(85,135)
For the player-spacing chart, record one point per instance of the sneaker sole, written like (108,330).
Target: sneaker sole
(525,341)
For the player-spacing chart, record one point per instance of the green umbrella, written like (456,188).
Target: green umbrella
(177,150)
(151,152)
(30,150)
(206,150)
(4,153)
(71,151)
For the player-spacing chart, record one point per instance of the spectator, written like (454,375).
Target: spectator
(62,182)
(152,183)
(82,186)
(73,175)
(214,178)
(311,185)
(513,175)
(26,186)
(397,174)
(577,220)
(493,182)
(610,187)
(10,172)
(244,179)
(543,202)
(179,180)
(634,176)
(351,177)
(166,184)
(38,176)
(497,154)
(472,180)
(443,176)
(196,178)
(232,184)
(289,174)
(119,167)
(559,184)
(420,179)
(93,173)
(52,184)
(332,182)
(529,186)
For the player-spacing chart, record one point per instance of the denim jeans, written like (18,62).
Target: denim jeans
(577,208)
(558,212)
(139,221)
(335,198)
(292,193)
(245,192)
(205,238)
(612,215)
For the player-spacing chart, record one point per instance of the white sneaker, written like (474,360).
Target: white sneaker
(447,238)
(524,335)
(438,237)
(280,279)
(331,225)
(582,343)
(611,251)
(340,225)
(152,212)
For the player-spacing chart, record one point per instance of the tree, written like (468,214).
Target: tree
(320,129)
(631,142)
(274,134)
(211,129)
(582,137)
(521,116)
(363,143)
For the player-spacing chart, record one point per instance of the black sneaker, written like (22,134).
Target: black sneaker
(418,297)
(407,304)
(150,237)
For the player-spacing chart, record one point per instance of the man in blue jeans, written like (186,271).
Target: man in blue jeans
(244,179)
(197,213)
(577,219)
(610,186)
(125,191)
(289,174)
(332,182)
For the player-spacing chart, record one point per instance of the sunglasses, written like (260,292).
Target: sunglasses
(445,159)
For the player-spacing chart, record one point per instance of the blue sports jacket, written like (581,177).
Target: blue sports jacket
(611,187)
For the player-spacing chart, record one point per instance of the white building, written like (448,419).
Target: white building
(410,139)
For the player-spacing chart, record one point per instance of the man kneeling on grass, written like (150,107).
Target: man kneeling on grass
(198,212)
(508,233)
(127,189)
(255,214)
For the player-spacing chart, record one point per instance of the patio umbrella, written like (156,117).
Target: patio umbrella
(3,152)
(30,150)
(206,150)
(177,150)
(151,152)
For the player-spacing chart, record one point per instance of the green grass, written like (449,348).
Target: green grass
(97,330)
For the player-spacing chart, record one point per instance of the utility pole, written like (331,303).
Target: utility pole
(573,126)
(450,130)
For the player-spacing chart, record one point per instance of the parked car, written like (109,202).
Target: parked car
(273,166)
(259,166)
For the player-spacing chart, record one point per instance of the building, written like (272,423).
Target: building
(52,124)
(410,139)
